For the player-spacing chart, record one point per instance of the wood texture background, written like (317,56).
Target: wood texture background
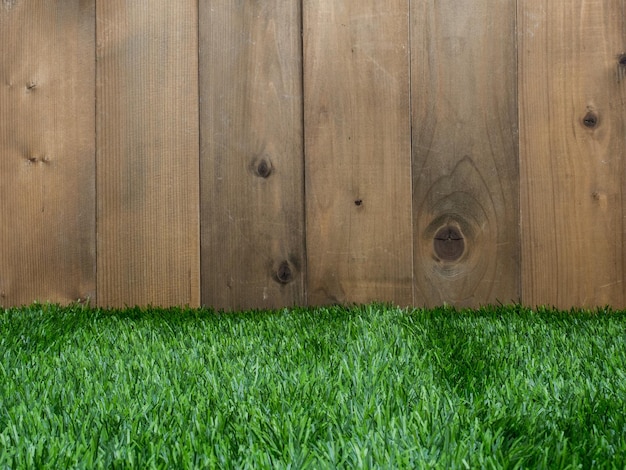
(572,149)
(251,154)
(465,163)
(47,152)
(241,154)
(357,142)
(147,153)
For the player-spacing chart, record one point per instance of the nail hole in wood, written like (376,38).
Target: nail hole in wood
(358,202)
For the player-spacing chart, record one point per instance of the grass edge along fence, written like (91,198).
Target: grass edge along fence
(362,386)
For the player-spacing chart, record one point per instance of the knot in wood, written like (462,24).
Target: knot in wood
(264,168)
(448,243)
(283,273)
(590,120)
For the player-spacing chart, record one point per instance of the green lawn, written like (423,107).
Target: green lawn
(364,387)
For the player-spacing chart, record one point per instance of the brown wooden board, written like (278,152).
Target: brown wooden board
(465,163)
(147,153)
(251,154)
(572,79)
(47,151)
(357,147)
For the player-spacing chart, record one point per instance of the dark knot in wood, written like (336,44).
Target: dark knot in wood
(264,169)
(283,273)
(449,244)
(590,120)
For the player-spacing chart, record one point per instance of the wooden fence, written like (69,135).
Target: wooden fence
(239,153)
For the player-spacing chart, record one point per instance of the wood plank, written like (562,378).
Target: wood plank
(47,151)
(572,132)
(465,180)
(147,153)
(357,147)
(251,154)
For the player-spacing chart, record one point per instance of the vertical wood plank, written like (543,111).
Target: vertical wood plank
(572,133)
(47,151)
(465,180)
(357,147)
(147,153)
(252,219)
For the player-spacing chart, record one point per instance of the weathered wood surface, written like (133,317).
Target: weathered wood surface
(243,154)
(357,146)
(572,74)
(251,154)
(47,151)
(465,167)
(147,153)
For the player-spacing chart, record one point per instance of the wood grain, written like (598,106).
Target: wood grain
(245,154)
(465,170)
(251,154)
(47,151)
(147,153)
(572,131)
(357,147)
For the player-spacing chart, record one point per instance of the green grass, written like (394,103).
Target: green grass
(365,387)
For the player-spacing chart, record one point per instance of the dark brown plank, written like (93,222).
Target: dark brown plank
(465,168)
(251,154)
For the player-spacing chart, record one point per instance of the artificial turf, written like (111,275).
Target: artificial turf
(369,386)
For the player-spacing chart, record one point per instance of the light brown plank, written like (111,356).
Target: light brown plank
(47,151)
(147,153)
(572,133)
(465,181)
(251,154)
(357,147)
